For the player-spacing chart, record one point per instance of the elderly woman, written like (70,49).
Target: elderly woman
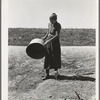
(53,51)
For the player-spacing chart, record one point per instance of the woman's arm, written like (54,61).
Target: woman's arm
(51,39)
(57,33)
(45,36)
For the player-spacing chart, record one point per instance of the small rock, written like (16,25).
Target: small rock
(50,96)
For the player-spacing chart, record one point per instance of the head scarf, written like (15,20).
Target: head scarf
(53,16)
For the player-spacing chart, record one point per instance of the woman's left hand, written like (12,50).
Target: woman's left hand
(47,43)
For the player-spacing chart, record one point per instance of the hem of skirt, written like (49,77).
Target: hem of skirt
(52,68)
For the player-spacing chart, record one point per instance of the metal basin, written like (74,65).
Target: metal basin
(36,49)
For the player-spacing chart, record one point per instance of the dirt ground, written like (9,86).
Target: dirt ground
(76,81)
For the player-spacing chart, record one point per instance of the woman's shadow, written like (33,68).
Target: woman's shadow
(78,77)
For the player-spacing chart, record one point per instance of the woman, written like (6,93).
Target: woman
(53,51)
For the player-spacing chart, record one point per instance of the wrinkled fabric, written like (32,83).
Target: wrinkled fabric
(53,50)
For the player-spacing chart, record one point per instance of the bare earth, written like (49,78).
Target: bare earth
(77,75)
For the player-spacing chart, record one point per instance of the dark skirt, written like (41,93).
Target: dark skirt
(53,55)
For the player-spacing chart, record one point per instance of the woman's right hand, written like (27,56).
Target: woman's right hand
(43,38)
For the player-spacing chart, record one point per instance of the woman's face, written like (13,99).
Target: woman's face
(52,21)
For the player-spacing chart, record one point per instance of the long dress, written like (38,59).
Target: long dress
(53,50)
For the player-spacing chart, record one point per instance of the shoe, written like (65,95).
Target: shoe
(46,77)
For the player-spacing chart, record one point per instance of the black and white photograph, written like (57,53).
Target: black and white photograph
(52,50)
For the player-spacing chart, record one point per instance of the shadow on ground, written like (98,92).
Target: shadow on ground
(81,78)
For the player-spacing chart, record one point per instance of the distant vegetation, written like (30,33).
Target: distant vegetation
(69,37)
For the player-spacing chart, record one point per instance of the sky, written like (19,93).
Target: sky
(35,13)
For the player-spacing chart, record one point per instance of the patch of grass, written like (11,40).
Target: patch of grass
(68,37)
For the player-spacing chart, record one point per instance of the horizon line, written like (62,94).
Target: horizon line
(47,28)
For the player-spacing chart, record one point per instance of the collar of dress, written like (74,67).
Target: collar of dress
(53,24)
